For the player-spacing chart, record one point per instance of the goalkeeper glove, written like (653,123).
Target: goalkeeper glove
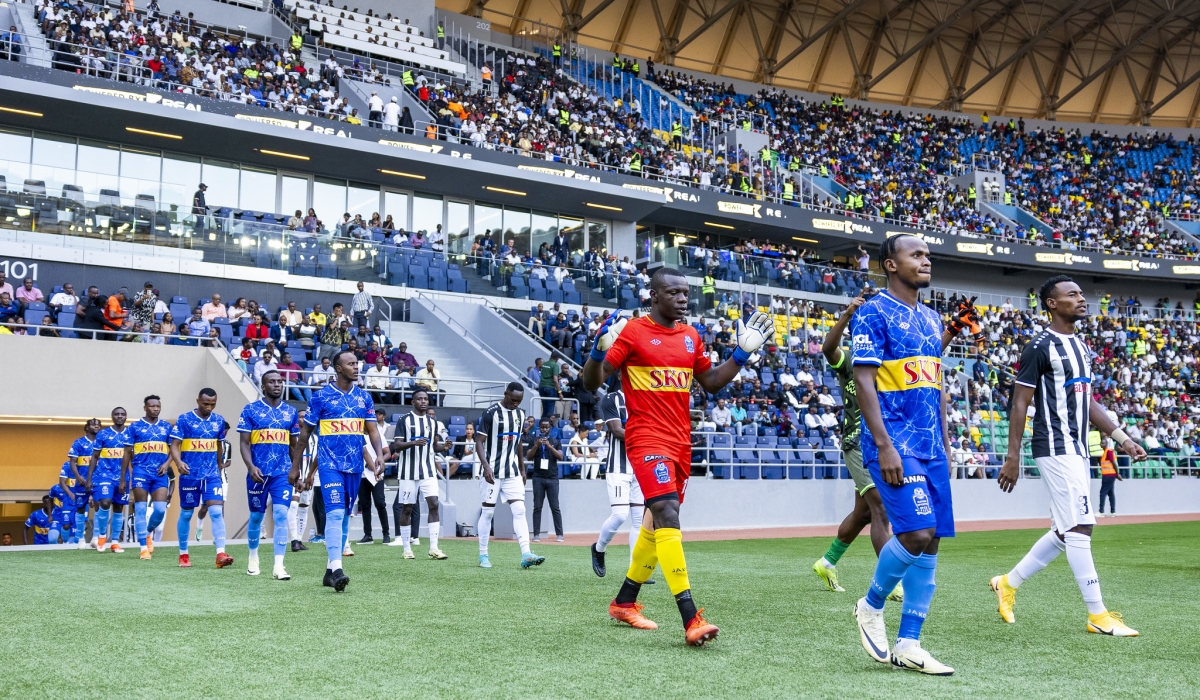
(751,335)
(606,335)
(966,318)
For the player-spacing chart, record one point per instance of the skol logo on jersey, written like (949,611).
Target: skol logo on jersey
(659,378)
(112,452)
(269,436)
(909,373)
(198,445)
(83,461)
(662,473)
(156,447)
(921,502)
(342,426)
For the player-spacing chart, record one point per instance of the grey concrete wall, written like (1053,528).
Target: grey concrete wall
(746,504)
(104,375)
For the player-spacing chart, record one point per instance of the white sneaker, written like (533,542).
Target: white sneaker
(872,630)
(396,543)
(252,565)
(280,574)
(83,545)
(912,657)
(408,554)
(347,552)
(437,554)
(416,541)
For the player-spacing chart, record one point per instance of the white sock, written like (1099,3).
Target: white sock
(1079,556)
(435,529)
(484,529)
(610,527)
(335,565)
(1044,551)
(520,527)
(302,521)
(903,643)
(405,535)
(278,561)
(828,565)
(293,511)
(636,512)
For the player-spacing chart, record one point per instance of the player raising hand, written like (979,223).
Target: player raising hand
(659,357)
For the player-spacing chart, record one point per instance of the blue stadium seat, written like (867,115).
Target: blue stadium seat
(800,464)
(721,455)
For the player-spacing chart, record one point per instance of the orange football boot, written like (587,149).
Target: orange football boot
(631,614)
(699,630)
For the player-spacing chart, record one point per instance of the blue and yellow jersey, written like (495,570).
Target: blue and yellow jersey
(109,449)
(150,443)
(40,521)
(270,430)
(66,473)
(905,343)
(81,454)
(200,443)
(62,499)
(340,420)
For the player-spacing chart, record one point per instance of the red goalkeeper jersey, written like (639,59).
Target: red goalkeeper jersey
(657,365)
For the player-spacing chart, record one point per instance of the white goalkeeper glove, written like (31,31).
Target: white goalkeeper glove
(751,336)
(606,335)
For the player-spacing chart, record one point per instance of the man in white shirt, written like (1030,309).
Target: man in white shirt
(322,375)
(539,271)
(374,110)
(787,380)
(266,364)
(65,299)
(377,379)
(391,116)
(803,376)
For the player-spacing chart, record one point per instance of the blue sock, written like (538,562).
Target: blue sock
(115,522)
(102,522)
(216,515)
(919,586)
(52,536)
(333,525)
(345,528)
(254,531)
(139,521)
(894,561)
(158,512)
(280,512)
(184,527)
(80,524)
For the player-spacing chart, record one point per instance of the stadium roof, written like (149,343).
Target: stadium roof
(1118,61)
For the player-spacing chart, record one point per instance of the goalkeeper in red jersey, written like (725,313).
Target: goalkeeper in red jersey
(659,356)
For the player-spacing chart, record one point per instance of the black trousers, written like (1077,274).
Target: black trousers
(318,510)
(1106,489)
(544,488)
(415,521)
(380,500)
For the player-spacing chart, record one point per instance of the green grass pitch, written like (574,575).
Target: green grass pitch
(82,624)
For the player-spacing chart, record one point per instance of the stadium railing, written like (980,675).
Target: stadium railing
(400,389)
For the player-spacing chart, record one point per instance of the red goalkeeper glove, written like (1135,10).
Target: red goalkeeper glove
(966,317)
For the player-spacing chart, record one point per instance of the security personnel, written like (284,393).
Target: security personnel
(676,134)
(616,62)
(635,163)
(1007,197)
(887,208)
(765,154)
(745,125)
(971,195)
(441,36)
(709,291)
(1033,300)
(744,185)
(556,52)
(637,68)
(407,78)
(564,118)
(794,163)
(297,41)
(789,190)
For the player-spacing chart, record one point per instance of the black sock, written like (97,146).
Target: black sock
(629,592)
(687,608)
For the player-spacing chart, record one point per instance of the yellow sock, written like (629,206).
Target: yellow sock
(645,558)
(670,554)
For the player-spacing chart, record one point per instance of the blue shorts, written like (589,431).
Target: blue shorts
(277,487)
(81,499)
(149,480)
(121,498)
(193,491)
(104,488)
(63,518)
(339,490)
(923,501)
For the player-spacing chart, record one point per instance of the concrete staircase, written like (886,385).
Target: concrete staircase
(456,371)
(37,53)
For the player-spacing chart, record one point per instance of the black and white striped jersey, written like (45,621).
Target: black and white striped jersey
(502,428)
(417,462)
(613,408)
(1059,370)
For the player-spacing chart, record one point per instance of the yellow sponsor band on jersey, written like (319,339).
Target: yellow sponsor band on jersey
(342,426)
(269,436)
(112,452)
(919,372)
(70,483)
(83,461)
(156,447)
(677,379)
(198,445)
